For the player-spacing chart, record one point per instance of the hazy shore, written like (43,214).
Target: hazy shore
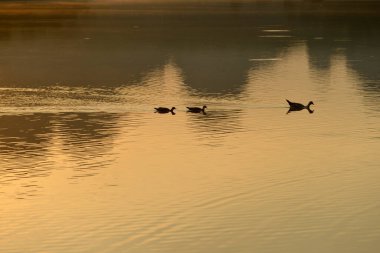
(46,8)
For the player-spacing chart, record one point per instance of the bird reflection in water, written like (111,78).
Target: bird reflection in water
(197,109)
(299,107)
(165,110)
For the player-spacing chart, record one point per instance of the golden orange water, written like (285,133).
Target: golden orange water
(87,166)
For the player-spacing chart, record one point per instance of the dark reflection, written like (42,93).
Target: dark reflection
(320,51)
(352,35)
(74,48)
(293,107)
(197,109)
(24,146)
(212,128)
(25,134)
(211,46)
(28,143)
(164,110)
(215,57)
(87,139)
(212,43)
(299,109)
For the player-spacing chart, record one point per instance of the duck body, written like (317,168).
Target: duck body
(196,109)
(164,110)
(298,107)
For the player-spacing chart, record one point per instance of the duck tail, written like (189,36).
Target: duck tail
(288,101)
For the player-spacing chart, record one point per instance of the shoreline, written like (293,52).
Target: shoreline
(67,8)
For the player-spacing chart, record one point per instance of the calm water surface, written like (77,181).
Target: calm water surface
(87,166)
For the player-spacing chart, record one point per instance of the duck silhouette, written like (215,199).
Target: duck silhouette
(165,110)
(197,109)
(298,107)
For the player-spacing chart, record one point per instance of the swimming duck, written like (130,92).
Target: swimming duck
(298,107)
(165,110)
(196,109)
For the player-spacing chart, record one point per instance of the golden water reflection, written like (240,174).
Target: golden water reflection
(87,166)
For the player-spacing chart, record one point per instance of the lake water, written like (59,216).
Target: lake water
(87,166)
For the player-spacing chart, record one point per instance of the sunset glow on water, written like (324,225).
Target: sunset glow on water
(86,165)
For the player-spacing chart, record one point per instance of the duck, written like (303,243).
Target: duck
(298,107)
(197,109)
(165,110)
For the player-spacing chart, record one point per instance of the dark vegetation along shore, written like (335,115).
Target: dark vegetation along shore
(115,8)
